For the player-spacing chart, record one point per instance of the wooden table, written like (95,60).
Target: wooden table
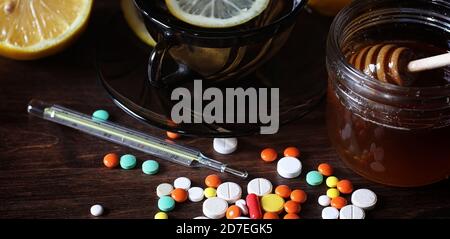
(50,171)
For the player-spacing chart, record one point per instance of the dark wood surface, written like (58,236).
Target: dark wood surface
(50,171)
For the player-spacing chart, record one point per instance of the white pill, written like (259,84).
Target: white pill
(195,194)
(351,212)
(215,208)
(242,218)
(97,210)
(201,217)
(229,191)
(164,189)
(330,213)
(259,186)
(241,204)
(289,167)
(324,201)
(364,198)
(225,146)
(183,183)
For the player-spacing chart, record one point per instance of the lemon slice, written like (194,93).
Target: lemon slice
(216,13)
(135,21)
(31,29)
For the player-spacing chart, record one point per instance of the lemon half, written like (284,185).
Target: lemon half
(135,21)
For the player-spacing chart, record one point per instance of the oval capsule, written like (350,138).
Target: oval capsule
(254,207)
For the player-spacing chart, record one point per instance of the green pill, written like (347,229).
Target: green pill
(150,167)
(100,115)
(166,204)
(314,178)
(128,161)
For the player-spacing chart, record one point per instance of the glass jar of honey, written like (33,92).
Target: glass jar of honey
(392,134)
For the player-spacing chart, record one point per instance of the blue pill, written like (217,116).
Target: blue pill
(128,161)
(150,167)
(166,204)
(101,115)
(314,178)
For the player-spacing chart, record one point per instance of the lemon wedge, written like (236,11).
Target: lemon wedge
(31,29)
(216,13)
(135,21)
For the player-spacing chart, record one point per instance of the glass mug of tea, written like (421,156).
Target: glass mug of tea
(215,54)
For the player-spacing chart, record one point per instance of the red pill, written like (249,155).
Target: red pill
(254,207)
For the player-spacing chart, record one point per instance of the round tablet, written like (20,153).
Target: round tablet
(201,217)
(183,183)
(150,167)
(330,213)
(164,189)
(289,167)
(100,115)
(324,201)
(351,212)
(364,198)
(242,218)
(128,161)
(97,210)
(215,208)
(210,192)
(242,205)
(195,194)
(161,215)
(166,203)
(225,145)
(259,186)
(229,191)
(314,178)
(272,203)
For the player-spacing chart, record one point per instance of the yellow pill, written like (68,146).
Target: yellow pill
(332,181)
(332,193)
(210,192)
(272,203)
(161,215)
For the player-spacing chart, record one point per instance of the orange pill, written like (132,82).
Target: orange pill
(283,191)
(292,207)
(269,155)
(291,216)
(172,135)
(325,169)
(345,186)
(233,212)
(111,160)
(292,152)
(213,181)
(298,196)
(338,202)
(179,195)
(270,215)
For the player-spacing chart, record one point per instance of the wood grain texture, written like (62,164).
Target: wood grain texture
(50,171)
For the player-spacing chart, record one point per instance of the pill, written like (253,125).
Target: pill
(161,215)
(364,198)
(242,218)
(225,145)
(345,186)
(289,167)
(213,181)
(179,195)
(269,155)
(270,215)
(299,196)
(351,212)
(166,204)
(259,186)
(325,169)
(272,203)
(291,216)
(242,205)
(332,181)
(182,182)
(201,217)
(324,201)
(150,167)
(111,160)
(291,152)
(210,192)
(338,202)
(314,178)
(97,210)
(292,207)
(100,115)
(254,207)
(195,194)
(283,191)
(164,189)
(215,208)
(332,193)
(229,191)
(330,213)
(233,212)
(128,161)
(172,135)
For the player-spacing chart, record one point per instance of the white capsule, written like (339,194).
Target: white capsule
(225,145)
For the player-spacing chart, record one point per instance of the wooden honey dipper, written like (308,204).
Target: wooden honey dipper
(393,64)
